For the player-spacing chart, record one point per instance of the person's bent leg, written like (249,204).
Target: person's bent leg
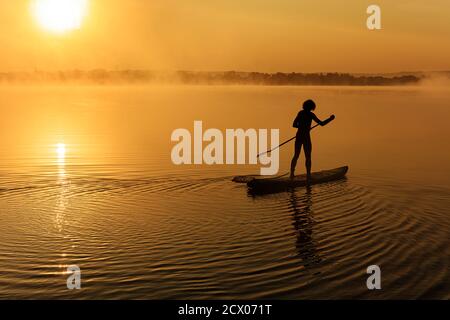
(308,162)
(298,148)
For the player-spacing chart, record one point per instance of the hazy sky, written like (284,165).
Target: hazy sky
(257,35)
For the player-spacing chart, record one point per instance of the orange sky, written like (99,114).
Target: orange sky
(257,35)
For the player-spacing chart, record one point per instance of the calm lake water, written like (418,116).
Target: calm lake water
(140,227)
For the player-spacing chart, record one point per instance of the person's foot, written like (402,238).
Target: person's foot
(292,176)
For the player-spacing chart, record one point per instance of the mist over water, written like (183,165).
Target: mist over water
(140,227)
(436,81)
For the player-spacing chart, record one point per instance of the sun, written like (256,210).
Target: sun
(59,16)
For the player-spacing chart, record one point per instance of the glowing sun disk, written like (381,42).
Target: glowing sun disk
(59,15)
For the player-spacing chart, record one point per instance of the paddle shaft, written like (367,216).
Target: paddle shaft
(284,143)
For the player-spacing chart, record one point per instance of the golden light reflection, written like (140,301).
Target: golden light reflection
(59,16)
(62,182)
(61,152)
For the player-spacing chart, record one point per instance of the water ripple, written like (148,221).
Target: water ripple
(168,236)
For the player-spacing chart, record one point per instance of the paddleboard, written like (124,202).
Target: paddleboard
(274,184)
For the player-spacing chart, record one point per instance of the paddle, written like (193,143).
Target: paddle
(331,119)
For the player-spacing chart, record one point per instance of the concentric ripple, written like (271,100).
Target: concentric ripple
(202,237)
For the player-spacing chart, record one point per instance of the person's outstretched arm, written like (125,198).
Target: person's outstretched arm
(323,123)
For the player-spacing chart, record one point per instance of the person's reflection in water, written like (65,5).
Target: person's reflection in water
(303,223)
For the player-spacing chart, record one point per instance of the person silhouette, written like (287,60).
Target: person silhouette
(303,138)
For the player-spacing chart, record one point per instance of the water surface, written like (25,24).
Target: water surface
(140,227)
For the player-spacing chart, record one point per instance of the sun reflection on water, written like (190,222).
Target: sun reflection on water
(61,152)
(62,182)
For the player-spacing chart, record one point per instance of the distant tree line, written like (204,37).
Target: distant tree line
(286,79)
(101,76)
